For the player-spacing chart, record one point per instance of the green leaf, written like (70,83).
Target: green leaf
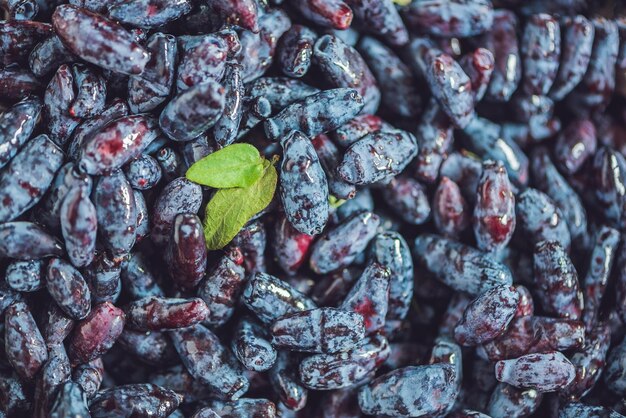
(237,165)
(230,209)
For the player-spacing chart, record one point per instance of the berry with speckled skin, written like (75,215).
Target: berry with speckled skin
(544,372)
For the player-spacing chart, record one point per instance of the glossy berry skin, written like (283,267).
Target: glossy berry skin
(446,351)
(369,297)
(28,176)
(549,180)
(134,400)
(48,55)
(96,334)
(321,330)
(68,289)
(178,196)
(69,402)
(452,88)
(589,362)
(186,254)
(91,92)
(392,251)
(344,67)
(159,314)
(541,50)
(540,218)
(56,326)
(377,156)
(597,86)
(456,18)
(330,157)
(609,168)
(339,246)
(575,145)
(578,33)
(59,97)
(434,137)
(103,278)
(494,212)
(25,348)
(149,14)
(25,276)
(289,245)
(143,173)
(151,347)
(295,50)
(407,198)
(89,376)
(503,42)
(615,370)
(79,226)
(303,185)
(487,316)
(15,83)
(252,241)
(556,281)
(202,58)
(283,378)
(242,13)
(328,13)
(315,114)
(485,139)
(270,298)
(18,37)
(192,112)
(507,400)
(251,346)
(478,65)
(602,257)
(419,390)
(397,84)
(356,129)
(99,40)
(544,372)
(117,143)
(115,110)
(27,241)
(258,49)
(280,92)
(116,212)
(461,267)
(335,371)
(225,129)
(449,208)
(208,361)
(222,288)
(16,126)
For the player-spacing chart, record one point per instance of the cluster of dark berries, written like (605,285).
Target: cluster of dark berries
(444,237)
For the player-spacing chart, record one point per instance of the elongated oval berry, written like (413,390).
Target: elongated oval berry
(225,129)
(336,371)
(270,298)
(222,288)
(208,361)
(328,13)
(143,173)
(48,55)
(28,176)
(117,143)
(251,345)
(459,266)
(179,196)
(411,391)
(540,218)
(89,376)
(303,185)
(116,212)
(339,246)
(494,212)
(289,245)
(377,156)
(27,241)
(158,314)
(575,145)
(295,50)
(96,334)
(507,400)
(392,251)
(99,40)
(544,372)
(68,289)
(357,128)
(24,346)
(450,211)
(407,198)
(135,399)
(321,330)
(315,114)
(369,297)
(556,281)
(25,276)
(541,50)
(343,66)
(186,254)
(508,63)
(16,126)
(79,226)
(284,380)
(451,18)
(149,14)
(478,65)
(487,316)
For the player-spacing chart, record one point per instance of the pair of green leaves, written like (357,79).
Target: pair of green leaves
(246,183)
